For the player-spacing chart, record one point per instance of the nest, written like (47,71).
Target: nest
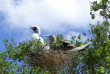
(54,61)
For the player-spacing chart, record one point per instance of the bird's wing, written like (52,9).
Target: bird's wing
(41,40)
(65,42)
(78,48)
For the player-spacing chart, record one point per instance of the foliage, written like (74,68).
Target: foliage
(102,7)
(100,50)
(19,54)
(26,54)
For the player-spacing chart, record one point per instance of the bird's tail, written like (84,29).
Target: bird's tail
(78,48)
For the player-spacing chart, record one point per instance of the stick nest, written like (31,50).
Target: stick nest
(54,61)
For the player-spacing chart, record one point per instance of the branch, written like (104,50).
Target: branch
(78,48)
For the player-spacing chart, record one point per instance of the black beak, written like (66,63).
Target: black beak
(30,27)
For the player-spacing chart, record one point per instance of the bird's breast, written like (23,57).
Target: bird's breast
(36,36)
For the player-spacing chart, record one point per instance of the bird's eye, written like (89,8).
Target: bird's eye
(34,28)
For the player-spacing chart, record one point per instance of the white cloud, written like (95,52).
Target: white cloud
(49,15)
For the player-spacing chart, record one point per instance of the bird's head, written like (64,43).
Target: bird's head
(51,37)
(36,29)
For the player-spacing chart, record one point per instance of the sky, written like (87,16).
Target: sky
(52,16)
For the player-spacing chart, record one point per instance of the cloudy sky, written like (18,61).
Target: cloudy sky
(52,16)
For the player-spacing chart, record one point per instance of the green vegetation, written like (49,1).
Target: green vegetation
(95,59)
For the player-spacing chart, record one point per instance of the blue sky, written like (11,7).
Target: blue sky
(65,16)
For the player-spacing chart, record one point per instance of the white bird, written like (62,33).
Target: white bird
(36,34)
(66,46)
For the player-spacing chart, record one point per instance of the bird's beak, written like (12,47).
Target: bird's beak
(47,36)
(30,27)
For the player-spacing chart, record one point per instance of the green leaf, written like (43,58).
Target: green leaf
(79,37)
(84,34)
(101,69)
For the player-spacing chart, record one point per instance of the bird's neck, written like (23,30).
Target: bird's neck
(37,32)
(52,42)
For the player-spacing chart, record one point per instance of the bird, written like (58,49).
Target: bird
(65,45)
(36,34)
